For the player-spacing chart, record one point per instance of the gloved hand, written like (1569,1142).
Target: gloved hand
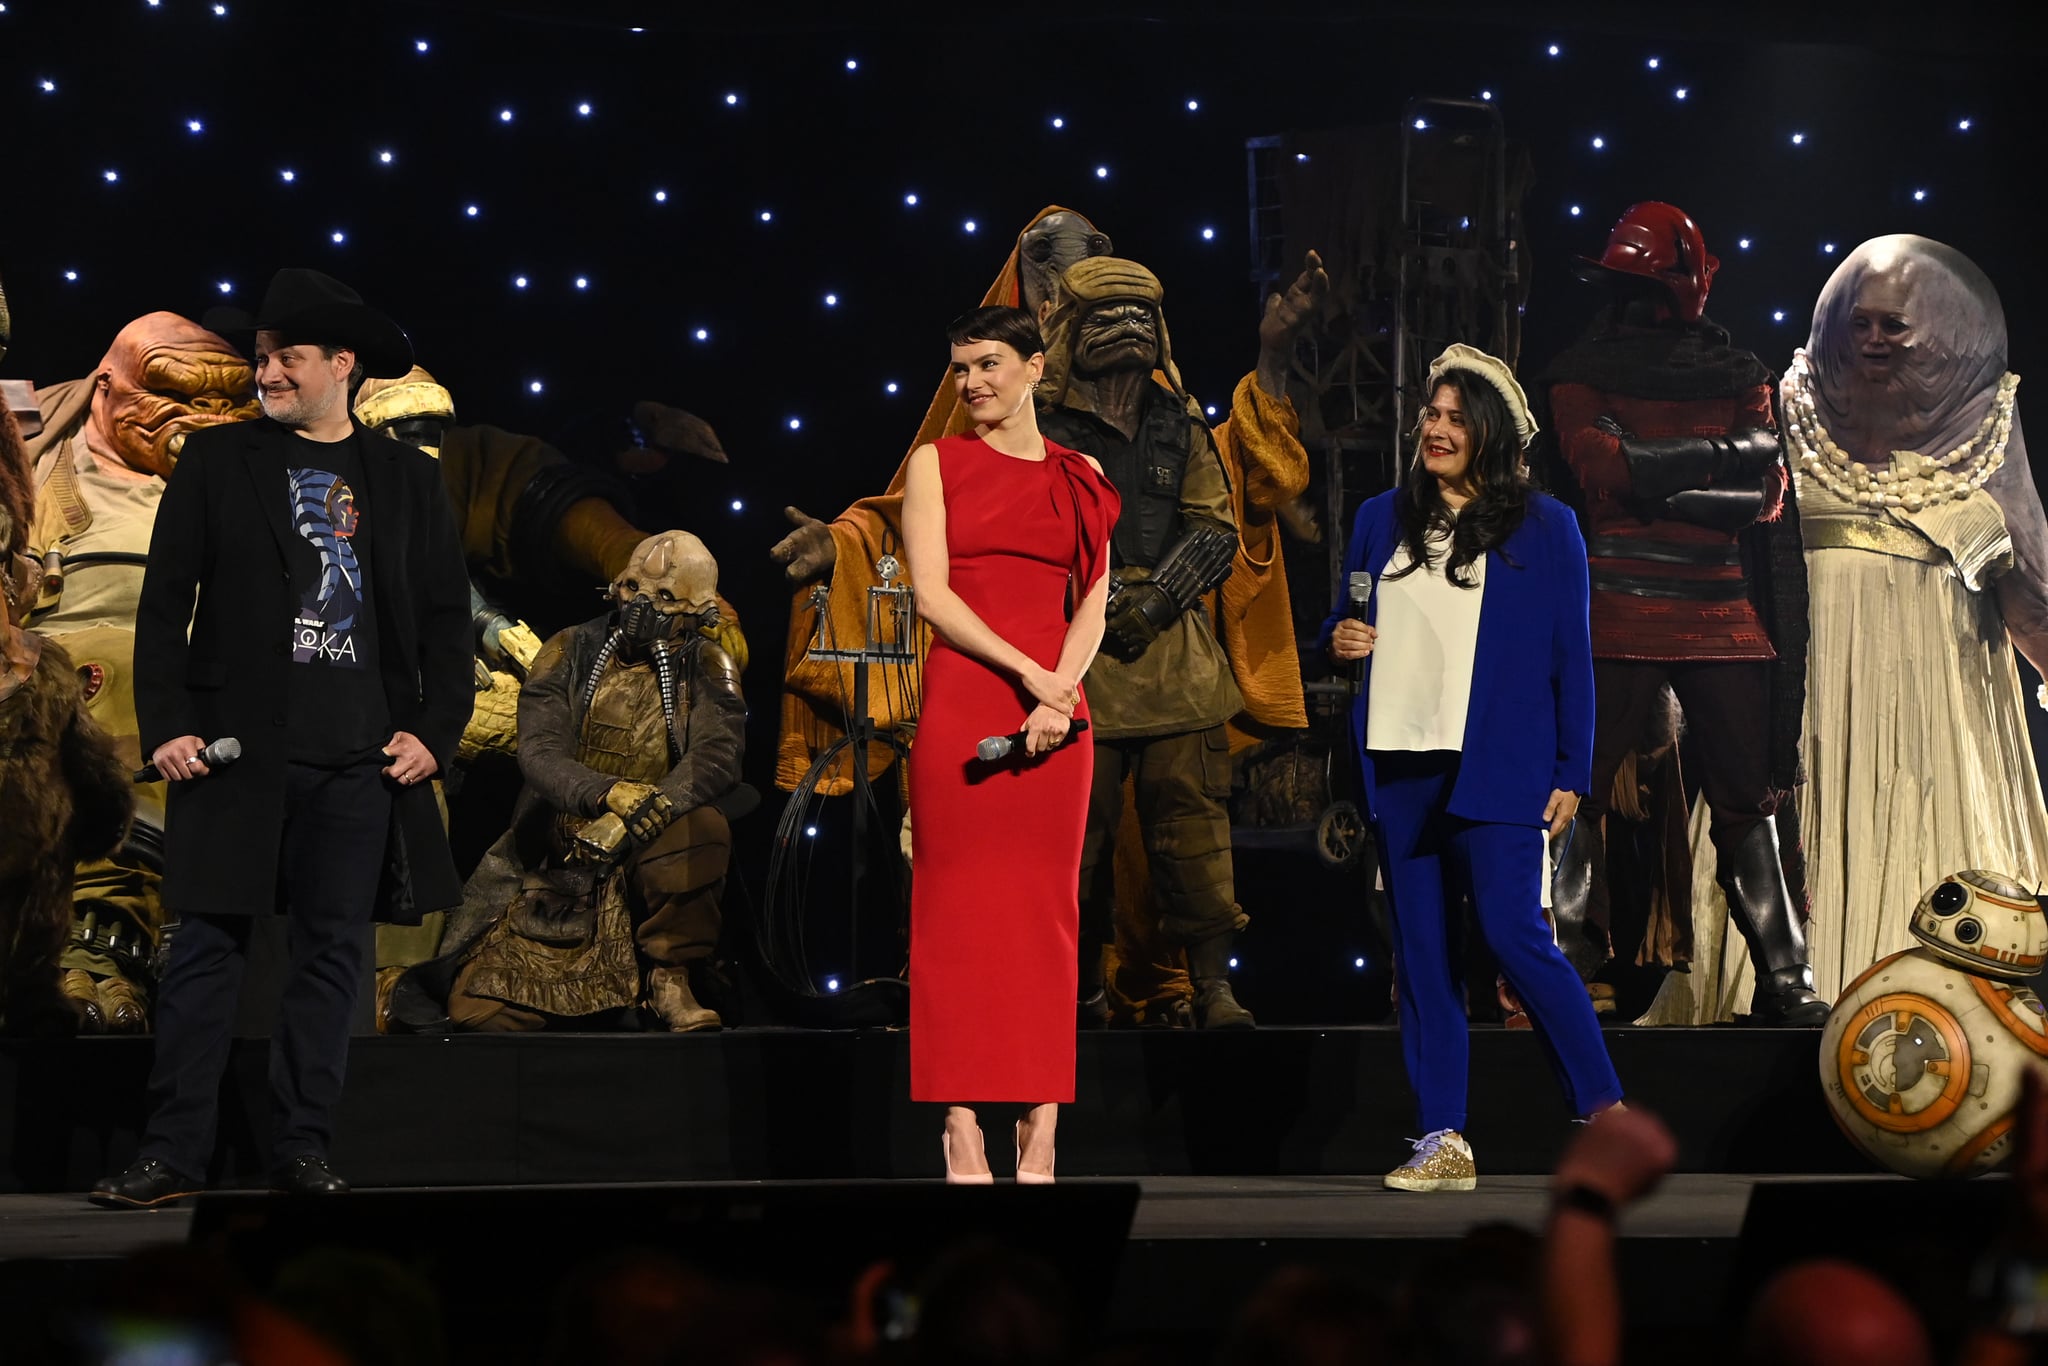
(1137,616)
(644,808)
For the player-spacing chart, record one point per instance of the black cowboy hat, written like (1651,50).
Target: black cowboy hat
(307,307)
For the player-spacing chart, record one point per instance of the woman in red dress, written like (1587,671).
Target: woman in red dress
(1008,540)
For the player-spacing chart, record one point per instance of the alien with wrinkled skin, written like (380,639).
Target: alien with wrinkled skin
(605,892)
(108,442)
(1920,518)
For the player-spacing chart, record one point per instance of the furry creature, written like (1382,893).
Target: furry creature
(61,785)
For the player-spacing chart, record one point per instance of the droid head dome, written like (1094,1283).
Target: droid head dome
(1984,923)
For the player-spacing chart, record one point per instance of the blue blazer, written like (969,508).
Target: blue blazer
(1529,726)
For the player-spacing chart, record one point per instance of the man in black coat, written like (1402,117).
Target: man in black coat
(331,638)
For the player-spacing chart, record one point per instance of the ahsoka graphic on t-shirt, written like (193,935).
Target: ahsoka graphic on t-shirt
(324,512)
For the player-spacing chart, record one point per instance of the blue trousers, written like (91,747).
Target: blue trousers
(1428,855)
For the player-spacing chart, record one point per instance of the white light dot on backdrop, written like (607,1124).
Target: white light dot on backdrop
(1919,196)
(1743,243)
(1233,962)
(1421,125)
(110,175)
(220,11)
(520,282)
(1555,50)
(831,984)
(287,175)
(1486,95)
(155,4)
(225,286)
(70,275)
(910,201)
(1210,410)
(504,116)
(1358,962)
(337,237)
(1465,224)
(194,126)
(1599,144)
(583,109)
(811,830)
(1827,248)
(49,87)
(796,424)
(767,215)
(852,64)
(731,98)
(1301,156)
(1679,93)
(385,157)
(1575,211)
(1655,63)
(738,506)
(1102,172)
(1058,122)
(661,196)
(1962,125)
(1799,139)
(1194,105)
(831,301)
(702,334)
(583,282)
(1208,234)
(420,45)
(968,226)
(471,210)
(1778,316)
(534,386)
(890,387)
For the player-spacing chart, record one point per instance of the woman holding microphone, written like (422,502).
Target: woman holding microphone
(1475,737)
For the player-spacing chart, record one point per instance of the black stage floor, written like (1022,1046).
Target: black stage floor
(774,1104)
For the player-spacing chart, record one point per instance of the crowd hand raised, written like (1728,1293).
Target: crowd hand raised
(1560,809)
(410,762)
(1622,1154)
(1044,729)
(1058,691)
(807,553)
(1352,640)
(176,760)
(644,808)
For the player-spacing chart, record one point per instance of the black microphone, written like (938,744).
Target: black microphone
(1000,746)
(1361,602)
(219,754)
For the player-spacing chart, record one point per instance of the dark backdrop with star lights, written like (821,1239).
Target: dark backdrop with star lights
(767,215)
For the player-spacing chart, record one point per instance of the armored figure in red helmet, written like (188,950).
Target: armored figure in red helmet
(1698,586)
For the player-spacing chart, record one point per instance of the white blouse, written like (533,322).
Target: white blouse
(1422,662)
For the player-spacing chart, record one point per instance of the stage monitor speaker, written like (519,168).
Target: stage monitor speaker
(1922,1236)
(494,1254)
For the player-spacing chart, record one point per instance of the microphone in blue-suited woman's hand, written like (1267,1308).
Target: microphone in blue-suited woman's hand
(1361,603)
(1001,746)
(219,754)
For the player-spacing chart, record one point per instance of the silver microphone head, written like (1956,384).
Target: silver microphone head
(1361,587)
(225,750)
(993,748)
(889,567)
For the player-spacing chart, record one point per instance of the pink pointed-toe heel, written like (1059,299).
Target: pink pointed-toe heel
(958,1178)
(1025,1178)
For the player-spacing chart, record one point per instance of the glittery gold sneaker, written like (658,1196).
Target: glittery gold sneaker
(1442,1161)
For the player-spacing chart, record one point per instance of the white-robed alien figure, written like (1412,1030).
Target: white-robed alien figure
(1927,561)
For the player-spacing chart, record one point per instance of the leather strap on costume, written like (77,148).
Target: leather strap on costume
(1663,552)
(1877,534)
(1724,510)
(1643,586)
(1661,466)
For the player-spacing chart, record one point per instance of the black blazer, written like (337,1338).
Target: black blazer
(221,534)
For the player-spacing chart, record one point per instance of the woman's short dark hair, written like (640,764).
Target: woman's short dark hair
(1013,327)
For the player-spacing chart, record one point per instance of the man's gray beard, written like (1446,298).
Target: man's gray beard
(296,412)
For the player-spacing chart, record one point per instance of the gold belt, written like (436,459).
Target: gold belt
(1870,533)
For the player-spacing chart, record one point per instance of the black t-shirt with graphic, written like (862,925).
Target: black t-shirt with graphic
(337,712)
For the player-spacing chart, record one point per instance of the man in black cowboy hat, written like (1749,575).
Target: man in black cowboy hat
(330,638)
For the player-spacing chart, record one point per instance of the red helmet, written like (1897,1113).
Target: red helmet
(1659,242)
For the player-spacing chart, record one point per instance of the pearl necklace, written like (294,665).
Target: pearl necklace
(1913,481)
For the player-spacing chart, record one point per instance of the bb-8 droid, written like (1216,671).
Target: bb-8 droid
(1922,1055)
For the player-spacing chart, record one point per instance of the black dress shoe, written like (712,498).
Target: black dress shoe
(307,1174)
(144,1185)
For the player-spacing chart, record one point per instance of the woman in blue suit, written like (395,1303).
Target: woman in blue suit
(1475,732)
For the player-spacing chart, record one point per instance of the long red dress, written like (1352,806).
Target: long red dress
(996,848)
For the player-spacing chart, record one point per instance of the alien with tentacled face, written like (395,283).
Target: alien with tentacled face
(604,894)
(108,442)
(1927,560)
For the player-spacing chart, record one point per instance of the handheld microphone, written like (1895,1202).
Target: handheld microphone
(1361,602)
(219,754)
(1000,746)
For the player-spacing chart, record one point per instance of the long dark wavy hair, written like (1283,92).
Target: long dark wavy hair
(1500,504)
